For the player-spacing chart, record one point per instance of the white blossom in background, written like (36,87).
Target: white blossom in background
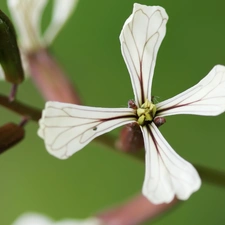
(38,219)
(67,128)
(26,17)
(2,76)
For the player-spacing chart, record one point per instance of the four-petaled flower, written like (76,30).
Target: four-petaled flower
(67,128)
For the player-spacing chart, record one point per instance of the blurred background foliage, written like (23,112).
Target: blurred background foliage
(96,178)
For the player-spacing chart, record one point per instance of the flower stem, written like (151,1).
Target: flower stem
(20,108)
(50,78)
(210,175)
(134,211)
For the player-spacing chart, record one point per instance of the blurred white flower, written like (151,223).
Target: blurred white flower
(38,219)
(67,128)
(26,16)
(2,76)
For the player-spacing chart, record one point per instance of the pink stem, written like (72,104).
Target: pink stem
(134,212)
(13,91)
(50,79)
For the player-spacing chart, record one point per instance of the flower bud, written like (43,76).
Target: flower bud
(9,52)
(131,138)
(10,134)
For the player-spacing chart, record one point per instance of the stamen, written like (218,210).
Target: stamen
(146,113)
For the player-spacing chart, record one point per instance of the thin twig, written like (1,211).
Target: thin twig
(20,108)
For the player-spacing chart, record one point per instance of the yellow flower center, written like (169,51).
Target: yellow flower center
(146,112)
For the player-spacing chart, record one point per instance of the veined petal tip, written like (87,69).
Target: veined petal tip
(57,154)
(167,174)
(50,103)
(149,9)
(170,197)
(40,133)
(185,195)
(181,191)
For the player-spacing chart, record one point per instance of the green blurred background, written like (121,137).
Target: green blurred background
(96,178)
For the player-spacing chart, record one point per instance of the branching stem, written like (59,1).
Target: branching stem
(20,108)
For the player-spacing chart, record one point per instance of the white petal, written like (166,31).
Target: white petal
(90,221)
(140,39)
(33,219)
(2,74)
(38,219)
(61,12)
(25,63)
(206,98)
(66,128)
(26,15)
(166,174)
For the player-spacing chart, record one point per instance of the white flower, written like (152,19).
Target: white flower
(38,219)
(27,15)
(67,128)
